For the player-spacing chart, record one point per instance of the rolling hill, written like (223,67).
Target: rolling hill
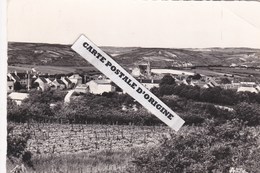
(63,55)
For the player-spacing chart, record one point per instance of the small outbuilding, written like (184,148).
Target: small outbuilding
(18,97)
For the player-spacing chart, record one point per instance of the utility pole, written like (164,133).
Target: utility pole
(28,80)
(148,69)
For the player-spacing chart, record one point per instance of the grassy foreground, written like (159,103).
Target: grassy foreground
(103,161)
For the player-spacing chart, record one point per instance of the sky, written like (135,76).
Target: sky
(136,23)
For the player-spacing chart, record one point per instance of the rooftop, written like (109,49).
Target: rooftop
(103,81)
(18,96)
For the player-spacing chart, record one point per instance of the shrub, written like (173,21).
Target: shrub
(16,147)
(249,113)
(167,80)
(192,119)
(213,148)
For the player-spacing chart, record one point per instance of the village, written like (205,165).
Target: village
(20,83)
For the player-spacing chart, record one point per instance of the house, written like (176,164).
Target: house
(136,72)
(18,97)
(68,96)
(67,82)
(233,65)
(42,83)
(85,78)
(149,83)
(100,86)
(13,77)
(188,82)
(211,81)
(76,79)
(248,84)
(243,65)
(24,78)
(20,80)
(10,86)
(248,89)
(200,83)
(208,83)
(227,86)
(82,88)
(206,86)
(258,88)
(49,81)
(58,84)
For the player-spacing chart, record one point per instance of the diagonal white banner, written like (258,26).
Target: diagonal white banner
(104,63)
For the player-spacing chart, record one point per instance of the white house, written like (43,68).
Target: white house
(42,82)
(67,82)
(68,96)
(58,84)
(233,65)
(150,83)
(49,81)
(136,72)
(18,97)
(100,86)
(248,89)
(248,84)
(82,88)
(76,79)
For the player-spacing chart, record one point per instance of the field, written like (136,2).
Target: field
(221,71)
(51,69)
(87,148)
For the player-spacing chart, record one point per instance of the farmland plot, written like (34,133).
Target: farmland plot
(64,138)
(87,148)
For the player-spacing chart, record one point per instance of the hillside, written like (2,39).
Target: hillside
(62,55)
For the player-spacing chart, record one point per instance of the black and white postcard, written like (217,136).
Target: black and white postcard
(136,86)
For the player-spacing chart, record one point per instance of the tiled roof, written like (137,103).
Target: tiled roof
(75,76)
(103,81)
(15,77)
(69,81)
(49,80)
(43,79)
(60,81)
(8,78)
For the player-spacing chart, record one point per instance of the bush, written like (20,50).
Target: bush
(249,113)
(192,119)
(16,147)
(167,80)
(213,148)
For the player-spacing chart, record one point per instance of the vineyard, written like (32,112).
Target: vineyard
(51,143)
(64,138)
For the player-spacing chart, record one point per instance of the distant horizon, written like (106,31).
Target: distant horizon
(63,44)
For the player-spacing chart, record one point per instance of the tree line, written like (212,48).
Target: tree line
(108,107)
(216,95)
